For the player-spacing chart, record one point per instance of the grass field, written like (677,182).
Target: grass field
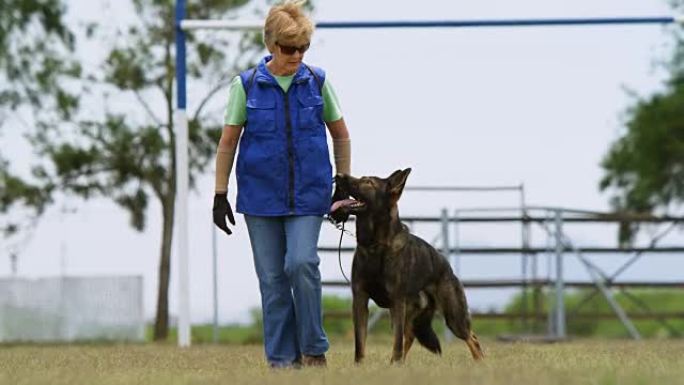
(577,362)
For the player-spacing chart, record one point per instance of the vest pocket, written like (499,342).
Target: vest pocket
(261,115)
(310,113)
(261,175)
(314,175)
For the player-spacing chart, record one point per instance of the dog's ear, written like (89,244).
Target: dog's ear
(396,183)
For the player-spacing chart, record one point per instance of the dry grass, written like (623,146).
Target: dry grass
(579,362)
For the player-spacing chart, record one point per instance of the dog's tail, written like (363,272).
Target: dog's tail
(422,329)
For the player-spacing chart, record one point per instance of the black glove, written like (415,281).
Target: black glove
(222,209)
(342,213)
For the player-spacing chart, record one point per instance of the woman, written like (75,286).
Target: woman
(278,111)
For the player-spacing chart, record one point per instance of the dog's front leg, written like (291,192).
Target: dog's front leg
(360,316)
(398,311)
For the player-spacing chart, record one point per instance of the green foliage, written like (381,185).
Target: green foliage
(34,58)
(35,47)
(644,168)
(337,326)
(125,71)
(14,190)
(135,203)
(634,302)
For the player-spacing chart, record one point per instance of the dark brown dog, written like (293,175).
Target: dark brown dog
(400,271)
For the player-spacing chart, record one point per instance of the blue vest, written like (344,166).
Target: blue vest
(283,165)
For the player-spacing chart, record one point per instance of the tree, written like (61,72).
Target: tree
(644,168)
(35,47)
(127,154)
(15,191)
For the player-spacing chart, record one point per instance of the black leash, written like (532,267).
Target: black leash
(339,246)
(339,253)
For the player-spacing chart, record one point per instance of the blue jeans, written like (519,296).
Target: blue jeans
(286,262)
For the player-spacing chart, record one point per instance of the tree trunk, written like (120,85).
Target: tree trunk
(168,199)
(161,325)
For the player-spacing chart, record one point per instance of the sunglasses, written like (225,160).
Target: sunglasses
(290,50)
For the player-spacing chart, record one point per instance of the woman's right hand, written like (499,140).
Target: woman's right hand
(221,210)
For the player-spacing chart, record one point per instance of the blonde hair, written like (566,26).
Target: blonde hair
(286,23)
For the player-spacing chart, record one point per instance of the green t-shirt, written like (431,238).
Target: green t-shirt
(236,110)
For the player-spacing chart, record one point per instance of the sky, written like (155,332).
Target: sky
(537,106)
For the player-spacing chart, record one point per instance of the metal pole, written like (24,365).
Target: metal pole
(182,184)
(550,324)
(537,291)
(461,188)
(456,256)
(560,305)
(448,336)
(258,24)
(595,276)
(215,276)
(13,263)
(524,244)
(599,278)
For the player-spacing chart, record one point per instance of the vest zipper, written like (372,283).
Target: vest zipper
(290,151)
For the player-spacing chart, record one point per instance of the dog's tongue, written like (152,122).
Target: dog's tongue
(342,203)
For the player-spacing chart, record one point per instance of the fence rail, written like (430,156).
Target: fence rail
(537,250)
(597,218)
(500,283)
(343,314)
